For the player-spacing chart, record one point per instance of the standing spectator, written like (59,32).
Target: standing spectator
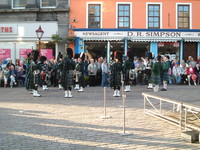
(104,68)
(13,76)
(92,69)
(6,76)
(177,73)
(156,72)
(99,71)
(197,72)
(191,74)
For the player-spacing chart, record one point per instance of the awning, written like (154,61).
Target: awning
(192,39)
(150,39)
(102,38)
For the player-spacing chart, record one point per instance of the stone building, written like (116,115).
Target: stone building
(21,18)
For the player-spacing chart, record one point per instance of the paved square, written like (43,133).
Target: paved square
(53,122)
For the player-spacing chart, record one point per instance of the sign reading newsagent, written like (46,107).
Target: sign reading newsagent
(136,34)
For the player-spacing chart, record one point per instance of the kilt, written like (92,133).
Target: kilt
(36,78)
(155,79)
(165,76)
(67,78)
(115,79)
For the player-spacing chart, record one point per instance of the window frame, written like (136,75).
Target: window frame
(190,14)
(87,13)
(17,7)
(47,6)
(130,15)
(147,15)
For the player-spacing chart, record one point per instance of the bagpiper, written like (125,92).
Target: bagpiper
(59,70)
(81,72)
(155,73)
(67,67)
(44,72)
(33,79)
(149,65)
(76,72)
(128,65)
(115,76)
(165,67)
(29,77)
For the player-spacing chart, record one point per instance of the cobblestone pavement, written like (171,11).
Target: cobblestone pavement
(53,122)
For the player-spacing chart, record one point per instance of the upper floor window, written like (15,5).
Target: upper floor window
(48,3)
(94,16)
(123,16)
(154,16)
(19,4)
(183,17)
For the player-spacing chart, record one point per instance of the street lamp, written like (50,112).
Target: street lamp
(39,33)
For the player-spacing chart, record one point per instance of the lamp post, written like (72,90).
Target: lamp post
(39,33)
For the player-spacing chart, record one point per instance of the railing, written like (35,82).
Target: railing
(173,108)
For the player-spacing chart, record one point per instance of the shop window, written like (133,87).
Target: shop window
(123,16)
(171,49)
(154,16)
(139,48)
(48,3)
(94,16)
(18,4)
(183,17)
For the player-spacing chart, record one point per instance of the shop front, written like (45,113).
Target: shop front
(174,42)
(18,39)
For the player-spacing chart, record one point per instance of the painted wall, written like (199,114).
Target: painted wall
(78,12)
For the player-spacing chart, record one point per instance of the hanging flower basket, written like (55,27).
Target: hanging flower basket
(70,38)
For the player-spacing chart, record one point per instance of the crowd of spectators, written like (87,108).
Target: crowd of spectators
(97,72)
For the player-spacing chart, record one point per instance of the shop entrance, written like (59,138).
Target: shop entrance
(139,48)
(96,49)
(190,49)
(172,49)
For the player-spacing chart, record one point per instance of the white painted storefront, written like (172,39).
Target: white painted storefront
(15,36)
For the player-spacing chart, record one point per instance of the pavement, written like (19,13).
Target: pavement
(53,122)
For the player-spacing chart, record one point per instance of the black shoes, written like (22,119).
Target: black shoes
(163,89)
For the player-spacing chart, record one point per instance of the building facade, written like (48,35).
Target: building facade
(159,26)
(21,18)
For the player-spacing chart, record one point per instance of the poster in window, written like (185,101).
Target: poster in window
(23,52)
(5,53)
(47,52)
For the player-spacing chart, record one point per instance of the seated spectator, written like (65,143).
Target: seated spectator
(198,60)
(197,72)
(21,75)
(191,74)
(177,73)
(192,62)
(1,77)
(9,64)
(13,76)
(6,76)
(184,72)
